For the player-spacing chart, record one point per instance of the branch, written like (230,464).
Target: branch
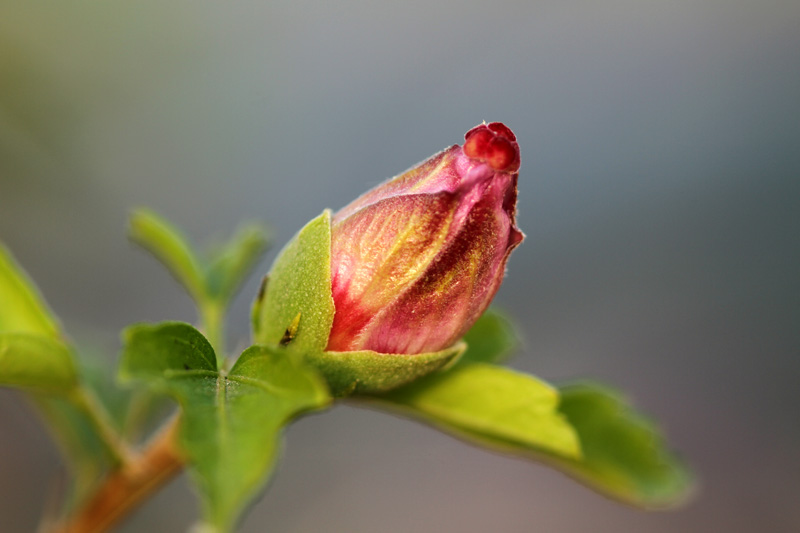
(125,487)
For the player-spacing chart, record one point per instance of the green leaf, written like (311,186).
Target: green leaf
(169,246)
(168,346)
(231,264)
(21,307)
(36,362)
(231,422)
(491,406)
(624,454)
(299,285)
(490,340)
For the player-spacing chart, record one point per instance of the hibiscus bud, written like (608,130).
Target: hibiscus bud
(416,261)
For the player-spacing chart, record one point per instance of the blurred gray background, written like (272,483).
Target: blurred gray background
(659,191)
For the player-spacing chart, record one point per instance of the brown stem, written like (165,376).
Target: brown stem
(127,486)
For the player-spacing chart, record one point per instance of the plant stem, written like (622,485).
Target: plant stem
(136,475)
(85,400)
(212,318)
(127,486)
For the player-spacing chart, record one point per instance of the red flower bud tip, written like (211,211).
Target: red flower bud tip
(495,144)
(418,259)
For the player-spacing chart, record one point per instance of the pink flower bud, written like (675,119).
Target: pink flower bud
(417,260)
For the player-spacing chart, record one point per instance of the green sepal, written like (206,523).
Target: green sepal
(491,406)
(625,456)
(294,310)
(368,372)
(299,286)
(231,422)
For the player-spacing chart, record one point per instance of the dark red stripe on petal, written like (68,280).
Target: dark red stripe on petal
(456,288)
(380,251)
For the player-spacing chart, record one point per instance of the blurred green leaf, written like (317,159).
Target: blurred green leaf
(85,452)
(211,283)
(36,362)
(490,340)
(169,246)
(34,356)
(21,307)
(491,406)
(31,354)
(299,285)
(233,262)
(231,422)
(98,373)
(77,434)
(608,445)
(624,454)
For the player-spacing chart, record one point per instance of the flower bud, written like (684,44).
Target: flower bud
(416,261)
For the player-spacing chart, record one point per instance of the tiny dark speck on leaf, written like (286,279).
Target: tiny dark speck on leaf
(186,367)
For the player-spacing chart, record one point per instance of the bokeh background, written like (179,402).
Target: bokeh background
(660,193)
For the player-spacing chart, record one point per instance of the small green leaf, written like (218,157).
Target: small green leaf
(624,454)
(490,340)
(165,347)
(299,283)
(169,246)
(231,423)
(21,307)
(36,362)
(231,264)
(368,372)
(491,406)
